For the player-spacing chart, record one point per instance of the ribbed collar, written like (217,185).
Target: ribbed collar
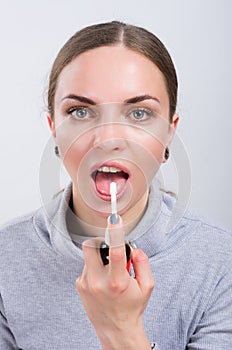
(151,234)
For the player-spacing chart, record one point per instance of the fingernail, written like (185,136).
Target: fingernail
(114,219)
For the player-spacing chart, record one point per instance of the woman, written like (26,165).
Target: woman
(111,109)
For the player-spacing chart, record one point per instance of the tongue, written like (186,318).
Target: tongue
(103,181)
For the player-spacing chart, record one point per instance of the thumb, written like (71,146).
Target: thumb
(143,274)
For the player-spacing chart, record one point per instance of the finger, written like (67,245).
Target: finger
(142,270)
(117,253)
(91,254)
(115,232)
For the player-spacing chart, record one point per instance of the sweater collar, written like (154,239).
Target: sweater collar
(150,234)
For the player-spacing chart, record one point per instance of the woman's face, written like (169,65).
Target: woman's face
(111,124)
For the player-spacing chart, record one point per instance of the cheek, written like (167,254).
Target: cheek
(151,157)
(157,151)
(149,153)
(73,149)
(152,140)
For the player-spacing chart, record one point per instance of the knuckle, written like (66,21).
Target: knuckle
(77,285)
(80,285)
(149,286)
(117,286)
(117,254)
(96,287)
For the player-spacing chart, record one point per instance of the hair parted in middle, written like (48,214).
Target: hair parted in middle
(112,34)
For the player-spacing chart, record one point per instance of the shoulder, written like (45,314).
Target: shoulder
(16,226)
(201,235)
(17,238)
(209,240)
(33,218)
(29,230)
(17,222)
(207,227)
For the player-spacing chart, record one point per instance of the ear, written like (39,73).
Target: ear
(172,128)
(51,125)
(171,132)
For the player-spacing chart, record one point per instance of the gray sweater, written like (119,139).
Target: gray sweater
(190,307)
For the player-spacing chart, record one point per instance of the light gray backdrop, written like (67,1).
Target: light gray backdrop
(198,36)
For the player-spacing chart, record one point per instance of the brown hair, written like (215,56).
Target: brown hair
(110,34)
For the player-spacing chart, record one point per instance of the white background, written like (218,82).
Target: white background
(198,36)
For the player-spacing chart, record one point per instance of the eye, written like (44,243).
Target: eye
(81,112)
(78,112)
(141,114)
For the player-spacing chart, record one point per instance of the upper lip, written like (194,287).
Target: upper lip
(110,164)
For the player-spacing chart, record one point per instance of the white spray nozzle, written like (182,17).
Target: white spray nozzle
(113,219)
(113,194)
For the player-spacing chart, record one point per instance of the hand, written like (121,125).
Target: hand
(114,301)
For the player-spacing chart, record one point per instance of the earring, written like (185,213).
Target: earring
(57,153)
(167,153)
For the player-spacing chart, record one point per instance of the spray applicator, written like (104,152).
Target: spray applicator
(114,218)
(113,222)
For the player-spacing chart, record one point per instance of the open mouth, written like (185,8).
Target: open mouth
(104,175)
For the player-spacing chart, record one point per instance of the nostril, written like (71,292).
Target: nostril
(109,145)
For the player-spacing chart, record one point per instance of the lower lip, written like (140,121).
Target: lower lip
(107,198)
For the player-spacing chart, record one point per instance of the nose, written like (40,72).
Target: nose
(110,137)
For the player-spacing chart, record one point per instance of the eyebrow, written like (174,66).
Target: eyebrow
(141,98)
(79,98)
(87,100)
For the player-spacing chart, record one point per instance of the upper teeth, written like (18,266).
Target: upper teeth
(109,169)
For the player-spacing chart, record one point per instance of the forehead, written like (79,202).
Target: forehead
(111,74)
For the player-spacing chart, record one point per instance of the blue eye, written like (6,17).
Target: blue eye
(82,112)
(141,114)
(79,112)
